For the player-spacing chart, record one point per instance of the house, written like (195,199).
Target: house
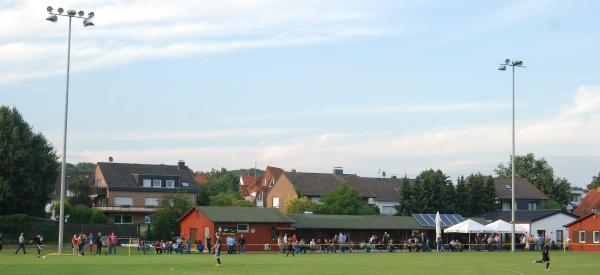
(201,179)
(584,233)
(249,187)
(129,193)
(265,183)
(527,196)
(258,225)
(547,223)
(589,204)
(577,195)
(380,192)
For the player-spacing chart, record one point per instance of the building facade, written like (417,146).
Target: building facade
(584,233)
(527,196)
(259,226)
(130,193)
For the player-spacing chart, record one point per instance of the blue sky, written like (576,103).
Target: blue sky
(394,85)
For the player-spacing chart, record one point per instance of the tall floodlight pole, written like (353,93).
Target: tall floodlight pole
(513,64)
(87,22)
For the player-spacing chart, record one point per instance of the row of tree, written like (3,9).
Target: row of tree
(433,191)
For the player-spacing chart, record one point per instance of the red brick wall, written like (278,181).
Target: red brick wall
(589,225)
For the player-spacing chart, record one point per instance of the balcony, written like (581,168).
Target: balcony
(126,208)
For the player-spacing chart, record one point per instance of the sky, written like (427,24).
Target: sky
(394,86)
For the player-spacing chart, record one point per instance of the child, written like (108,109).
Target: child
(545,256)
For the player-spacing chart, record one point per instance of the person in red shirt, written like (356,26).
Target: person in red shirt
(74,243)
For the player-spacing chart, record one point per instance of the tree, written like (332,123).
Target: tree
(595,182)
(461,199)
(229,198)
(437,192)
(80,188)
(300,205)
(28,167)
(541,175)
(343,200)
(164,221)
(481,193)
(83,214)
(406,201)
(221,181)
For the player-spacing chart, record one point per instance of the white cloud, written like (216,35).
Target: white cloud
(127,31)
(572,131)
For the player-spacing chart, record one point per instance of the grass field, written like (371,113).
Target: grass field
(357,263)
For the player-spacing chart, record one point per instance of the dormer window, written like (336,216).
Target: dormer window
(185,184)
(147,183)
(157,183)
(272,182)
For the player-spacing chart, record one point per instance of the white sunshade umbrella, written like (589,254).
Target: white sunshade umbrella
(438,225)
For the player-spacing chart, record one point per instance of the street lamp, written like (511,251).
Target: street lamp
(53,17)
(513,64)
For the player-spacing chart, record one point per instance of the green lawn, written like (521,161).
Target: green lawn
(358,263)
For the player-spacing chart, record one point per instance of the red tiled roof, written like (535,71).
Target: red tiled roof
(250,184)
(201,179)
(591,201)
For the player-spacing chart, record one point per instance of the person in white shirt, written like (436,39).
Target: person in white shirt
(21,245)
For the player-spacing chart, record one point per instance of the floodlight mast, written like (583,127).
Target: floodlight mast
(53,17)
(513,64)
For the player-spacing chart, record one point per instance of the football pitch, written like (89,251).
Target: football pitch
(356,263)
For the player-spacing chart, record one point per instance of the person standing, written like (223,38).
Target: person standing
(208,244)
(188,246)
(38,244)
(90,242)
(242,244)
(217,249)
(200,247)
(112,243)
(545,256)
(99,244)
(21,244)
(74,241)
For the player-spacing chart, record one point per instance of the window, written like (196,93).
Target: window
(505,206)
(120,201)
(151,201)
(242,227)
(170,183)
(276,202)
(596,236)
(123,219)
(272,182)
(147,219)
(185,184)
(532,206)
(596,210)
(581,236)
(147,183)
(98,183)
(157,183)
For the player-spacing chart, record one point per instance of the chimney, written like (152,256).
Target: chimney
(110,159)
(338,171)
(181,165)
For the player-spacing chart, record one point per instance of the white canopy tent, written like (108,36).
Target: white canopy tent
(501,226)
(467,226)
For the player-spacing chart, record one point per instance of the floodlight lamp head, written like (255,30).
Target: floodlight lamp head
(81,13)
(52,18)
(49,9)
(507,61)
(502,68)
(71,12)
(60,10)
(87,23)
(517,62)
(91,15)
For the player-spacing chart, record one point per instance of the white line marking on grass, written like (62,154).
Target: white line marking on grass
(512,271)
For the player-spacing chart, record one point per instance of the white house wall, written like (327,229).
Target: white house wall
(386,207)
(552,224)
